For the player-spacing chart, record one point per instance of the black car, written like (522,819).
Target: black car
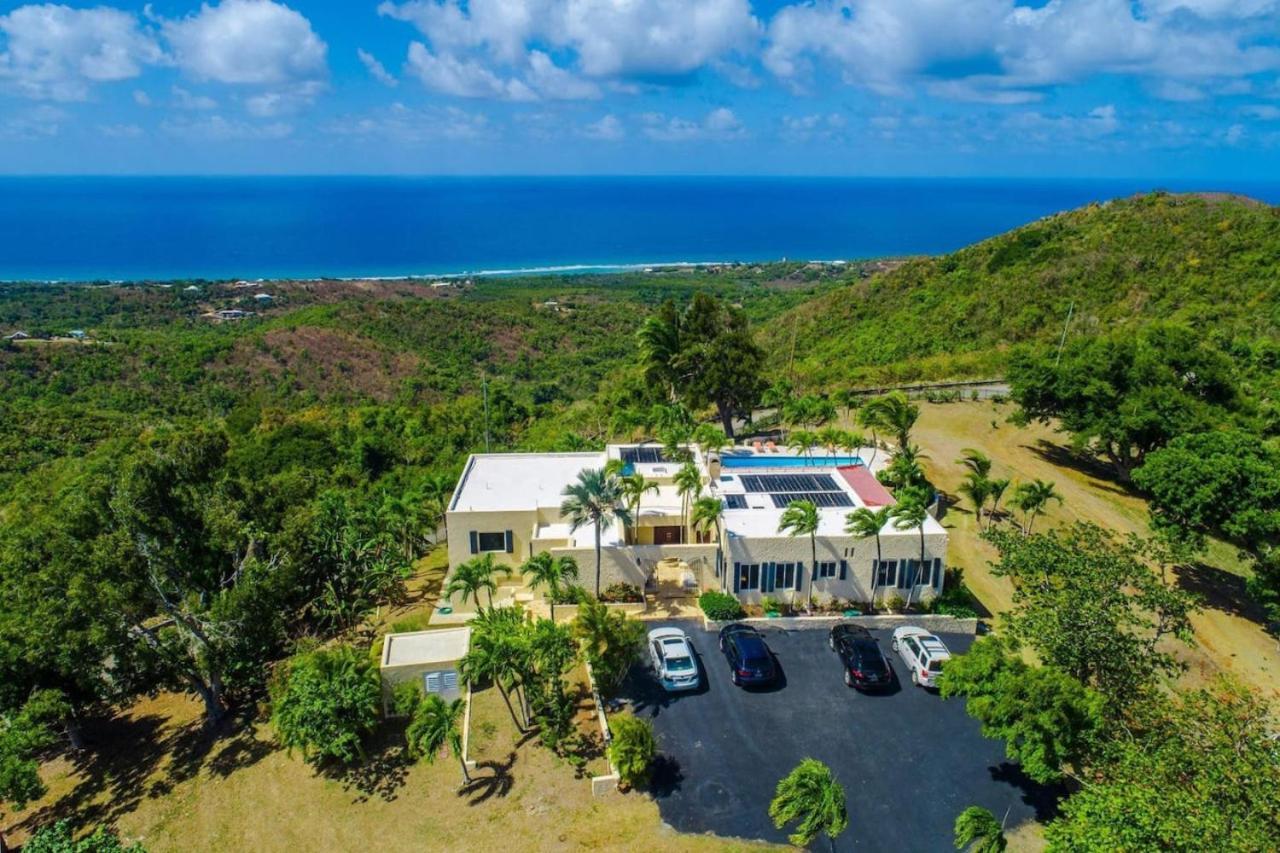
(750,660)
(865,666)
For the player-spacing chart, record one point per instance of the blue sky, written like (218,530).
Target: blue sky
(1169,89)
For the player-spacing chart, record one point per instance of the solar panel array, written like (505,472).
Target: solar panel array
(735,501)
(774,483)
(643,455)
(816,498)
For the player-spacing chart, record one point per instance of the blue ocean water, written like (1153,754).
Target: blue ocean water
(249,227)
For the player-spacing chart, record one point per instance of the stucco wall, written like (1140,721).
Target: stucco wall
(393,675)
(860,554)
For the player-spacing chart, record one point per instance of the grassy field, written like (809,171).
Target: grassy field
(1229,631)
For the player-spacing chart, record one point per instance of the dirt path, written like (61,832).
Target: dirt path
(1228,630)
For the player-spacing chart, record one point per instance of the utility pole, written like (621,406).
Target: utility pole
(1065,326)
(484,390)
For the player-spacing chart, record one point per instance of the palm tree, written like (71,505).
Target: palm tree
(1032,498)
(977,489)
(436,724)
(710,438)
(853,442)
(436,490)
(802,441)
(505,630)
(594,500)
(801,518)
(864,522)
(998,488)
(471,577)
(634,487)
(906,515)
(976,461)
(810,797)
(978,831)
(688,482)
(659,341)
(490,658)
(894,414)
(555,573)
(707,515)
(847,399)
(832,438)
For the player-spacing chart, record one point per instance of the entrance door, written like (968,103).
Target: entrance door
(667,535)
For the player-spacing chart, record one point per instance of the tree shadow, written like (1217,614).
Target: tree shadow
(1220,590)
(1083,462)
(665,776)
(383,772)
(497,782)
(1043,798)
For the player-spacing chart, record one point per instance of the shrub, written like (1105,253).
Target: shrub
(569,594)
(770,604)
(720,606)
(325,702)
(956,599)
(611,641)
(617,593)
(632,749)
(896,602)
(59,838)
(405,698)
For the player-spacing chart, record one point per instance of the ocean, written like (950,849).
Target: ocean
(136,228)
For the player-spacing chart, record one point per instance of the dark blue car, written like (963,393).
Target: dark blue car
(751,662)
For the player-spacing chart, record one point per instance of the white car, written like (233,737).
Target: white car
(674,661)
(922,652)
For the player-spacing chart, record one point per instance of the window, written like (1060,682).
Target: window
(907,574)
(785,576)
(748,576)
(828,570)
(495,541)
(886,572)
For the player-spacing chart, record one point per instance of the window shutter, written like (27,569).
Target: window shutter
(433,682)
(770,577)
(737,576)
(844,569)
(799,576)
(449,681)
(475,542)
(510,541)
(937,572)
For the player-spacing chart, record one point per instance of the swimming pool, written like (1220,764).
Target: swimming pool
(761,460)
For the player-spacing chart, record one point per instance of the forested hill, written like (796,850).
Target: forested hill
(1209,261)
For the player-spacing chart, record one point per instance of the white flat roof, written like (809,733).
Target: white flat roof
(497,482)
(426,647)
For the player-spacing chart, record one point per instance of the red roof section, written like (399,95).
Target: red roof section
(865,486)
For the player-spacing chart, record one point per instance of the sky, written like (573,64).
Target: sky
(964,88)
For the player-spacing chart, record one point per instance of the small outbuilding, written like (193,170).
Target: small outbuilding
(428,657)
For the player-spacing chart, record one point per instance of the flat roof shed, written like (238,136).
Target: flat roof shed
(429,658)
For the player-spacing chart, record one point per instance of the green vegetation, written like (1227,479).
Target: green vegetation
(594,500)
(326,702)
(1204,262)
(632,748)
(800,518)
(611,641)
(437,725)
(59,838)
(720,606)
(811,798)
(978,831)
(23,736)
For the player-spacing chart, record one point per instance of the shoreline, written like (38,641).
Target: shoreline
(508,272)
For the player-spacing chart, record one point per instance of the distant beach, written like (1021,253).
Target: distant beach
(128,229)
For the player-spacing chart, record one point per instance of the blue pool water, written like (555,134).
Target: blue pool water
(762,461)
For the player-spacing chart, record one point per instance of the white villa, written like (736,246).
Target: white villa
(508,505)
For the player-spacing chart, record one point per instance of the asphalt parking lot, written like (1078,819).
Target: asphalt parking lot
(909,761)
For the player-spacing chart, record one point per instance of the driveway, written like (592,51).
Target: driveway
(909,761)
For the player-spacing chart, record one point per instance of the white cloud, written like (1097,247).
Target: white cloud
(1264,112)
(56,52)
(492,44)
(39,122)
(810,127)
(720,124)
(1234,134)
(141,98)
(376,69)
(1175,90)
(607,129)
(247,42)
(219,129)
(998,51)
(185,100)
(463,78)
(409,126)
(120,131)
(284,101)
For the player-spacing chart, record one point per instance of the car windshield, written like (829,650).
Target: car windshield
(867,656)
(680,664)
(753,649)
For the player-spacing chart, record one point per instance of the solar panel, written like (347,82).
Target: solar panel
(789,483)
(643,455)
(735,501)
(821,499)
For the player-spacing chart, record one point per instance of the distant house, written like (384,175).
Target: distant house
(231,314)
(78,334)
(17,336)
(191,288)
(264,298)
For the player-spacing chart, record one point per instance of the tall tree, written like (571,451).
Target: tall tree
(326,702)
(471,577)
(594,499)
(810,797)
(719,363)
(554,573)
(634,487)
(610,639)
(437,724)
(708,513)
(688,482)
(978,831)
(1032,498)
(865,522)
(893,413)
(801,518)
(660,344)
(908,515)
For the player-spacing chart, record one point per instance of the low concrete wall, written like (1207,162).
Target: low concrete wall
(568,612)
(937,623)
(608,782)
(466,733)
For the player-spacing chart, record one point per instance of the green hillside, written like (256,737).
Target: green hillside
(1211,262)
